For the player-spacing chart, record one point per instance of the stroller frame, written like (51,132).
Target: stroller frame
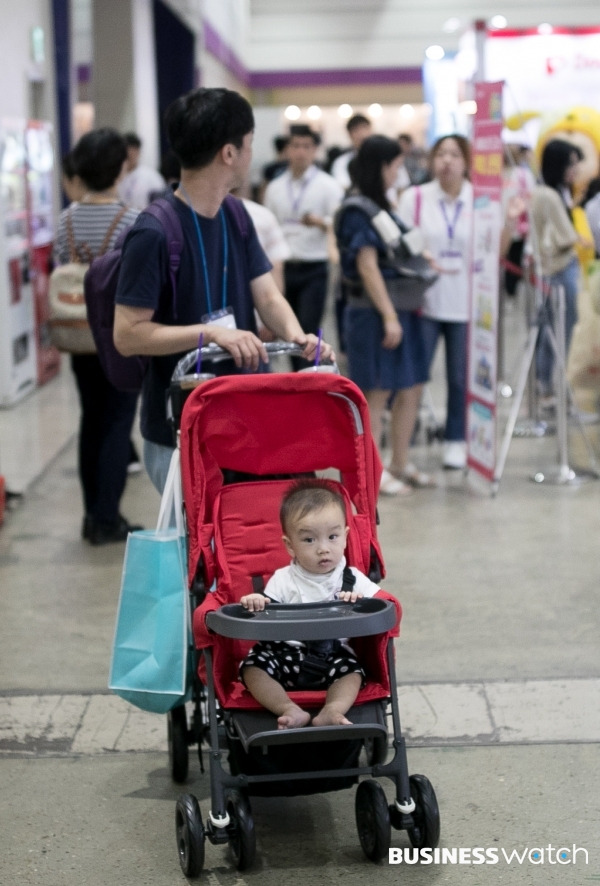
(237,722)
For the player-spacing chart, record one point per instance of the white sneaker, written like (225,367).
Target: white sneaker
(455,455)
(390,486)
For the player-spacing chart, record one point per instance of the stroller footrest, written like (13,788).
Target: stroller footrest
(259,728)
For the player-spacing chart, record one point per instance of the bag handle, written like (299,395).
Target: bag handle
(172,498)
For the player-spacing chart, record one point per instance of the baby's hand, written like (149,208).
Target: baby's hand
(254,602)
(350,596)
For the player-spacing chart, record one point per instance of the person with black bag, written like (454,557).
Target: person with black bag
(384,340)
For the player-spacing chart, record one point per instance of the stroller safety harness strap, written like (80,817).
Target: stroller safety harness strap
(315,665)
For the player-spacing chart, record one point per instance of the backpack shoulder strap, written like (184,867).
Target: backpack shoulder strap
(238,212)
(79,255)
(164,212)
(348,579)
(113,227)
(356,201)
(365,204)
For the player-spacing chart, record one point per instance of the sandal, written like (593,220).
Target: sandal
(414,477)
(390,485)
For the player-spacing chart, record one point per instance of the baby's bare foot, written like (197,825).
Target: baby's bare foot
(293,717)
(330,717)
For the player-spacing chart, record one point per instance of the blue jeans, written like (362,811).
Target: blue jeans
(157,459)
(455,343)
(568,278)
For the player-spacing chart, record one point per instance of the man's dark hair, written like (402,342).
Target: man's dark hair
(357,120)
(201,122)
(280,142)
(302,130)
(366,169)
(132,140)
(98,158)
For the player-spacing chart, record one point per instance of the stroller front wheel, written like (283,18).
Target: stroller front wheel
(242,837)
(426,832)
(190,835)
(373,820)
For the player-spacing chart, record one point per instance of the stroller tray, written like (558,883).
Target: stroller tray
(259,728)
(304,621)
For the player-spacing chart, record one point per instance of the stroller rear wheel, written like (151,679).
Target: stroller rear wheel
(372,820)
(177,737)
(242,837)
(190,835)
(426,832)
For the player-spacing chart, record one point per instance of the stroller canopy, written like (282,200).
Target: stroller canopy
(276,425)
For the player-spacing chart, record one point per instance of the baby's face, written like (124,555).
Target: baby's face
(318,540)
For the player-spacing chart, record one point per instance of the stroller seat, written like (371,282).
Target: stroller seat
(248,549)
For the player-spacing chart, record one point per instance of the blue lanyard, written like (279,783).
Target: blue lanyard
(203,254)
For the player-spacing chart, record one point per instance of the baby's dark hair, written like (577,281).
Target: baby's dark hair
(308,495)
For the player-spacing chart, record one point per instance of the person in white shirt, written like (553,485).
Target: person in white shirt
(443,210)
(141,184)
(313,519)
(270,236)
(359,128)
(304,200)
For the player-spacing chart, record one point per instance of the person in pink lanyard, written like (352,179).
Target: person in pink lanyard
(443,210)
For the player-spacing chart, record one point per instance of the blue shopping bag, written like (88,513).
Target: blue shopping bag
(149,666)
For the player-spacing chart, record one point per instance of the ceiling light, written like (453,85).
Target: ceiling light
(435,53)
(451,25)
(292,112)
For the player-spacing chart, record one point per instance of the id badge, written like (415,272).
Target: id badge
(451,261)
(224,317)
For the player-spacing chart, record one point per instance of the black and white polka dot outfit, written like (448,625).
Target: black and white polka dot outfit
(283,662)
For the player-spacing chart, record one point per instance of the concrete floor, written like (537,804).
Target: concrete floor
(498,665)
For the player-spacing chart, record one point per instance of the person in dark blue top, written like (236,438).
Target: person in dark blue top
(223,276)
(384,341)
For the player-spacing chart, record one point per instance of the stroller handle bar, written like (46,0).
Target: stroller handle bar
(214,354)
(304,621)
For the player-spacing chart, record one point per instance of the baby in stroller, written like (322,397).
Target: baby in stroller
(313,519)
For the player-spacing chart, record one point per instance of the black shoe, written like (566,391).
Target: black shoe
(86,527)
(106,533)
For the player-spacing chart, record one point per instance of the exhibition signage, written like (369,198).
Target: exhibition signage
(545,69)
(486,177)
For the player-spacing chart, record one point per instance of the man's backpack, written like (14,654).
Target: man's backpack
(68,322)
(100,285)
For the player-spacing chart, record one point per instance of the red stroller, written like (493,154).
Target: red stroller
(243,438)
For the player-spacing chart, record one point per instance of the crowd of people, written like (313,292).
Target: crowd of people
(268,275)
